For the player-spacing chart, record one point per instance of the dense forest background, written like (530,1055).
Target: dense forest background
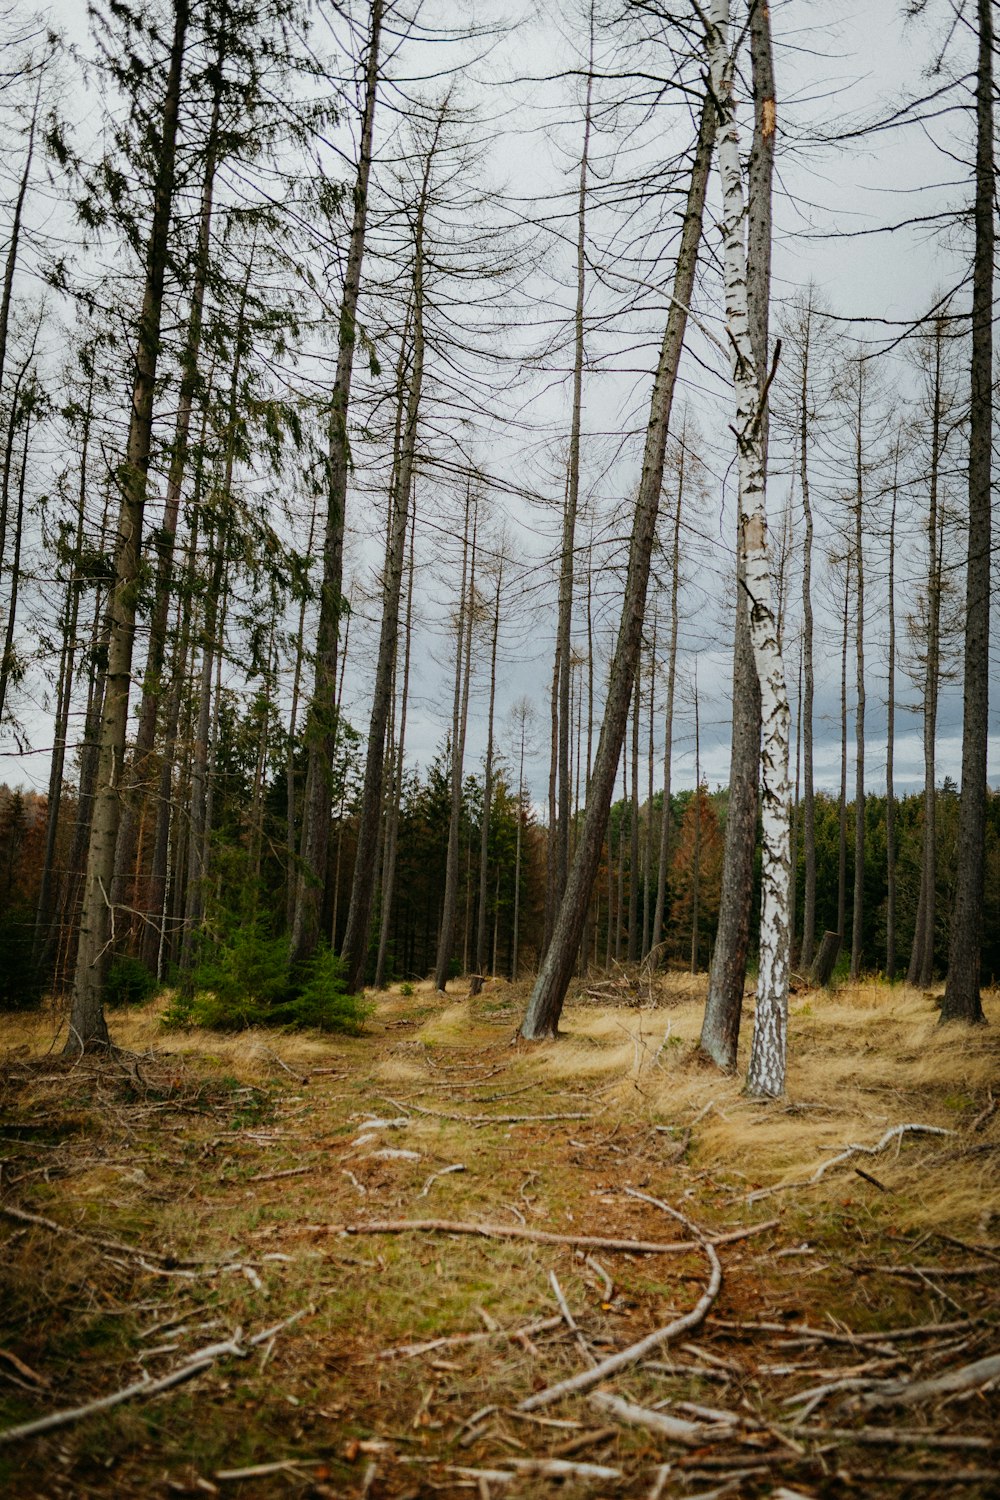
(324,341)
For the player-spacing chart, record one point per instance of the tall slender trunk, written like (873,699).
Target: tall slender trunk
(647,847)
(922,955)
(961,997)
(8,659)
(212,651)
(165,536)
(842,842)
(514,958)
(567,552)
(14,244)
(696,856)
(793,881)
(633,821)
(293,719)
(727,975)
(668,717)
(321,728)
(482,934)
(356,937)
(545,1006)
(466,613)
(808,790)
(857,922)
(392,840)
(87,1024)
(890,746)
(766,1073)
(44,928)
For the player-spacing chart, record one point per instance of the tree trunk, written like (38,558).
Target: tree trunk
(727,975)
(766,1073)
(392,840)
(87,1024)
(859,713)
(890,747)
(356,937)
(545,1006)
(466,612)
(44,927)
(961,997)
(167,532)
(321,732)
(568,549)
(921,968)
(482,934)
(808,790)
(633,821)
(668,718)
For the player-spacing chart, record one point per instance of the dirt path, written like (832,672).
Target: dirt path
(181,1200)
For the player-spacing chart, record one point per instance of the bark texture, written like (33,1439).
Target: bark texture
(766,1074)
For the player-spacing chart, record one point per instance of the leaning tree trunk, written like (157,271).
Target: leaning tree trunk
(321,730)
(727,975)
(766,1073)
(545,1006)
(87,1024)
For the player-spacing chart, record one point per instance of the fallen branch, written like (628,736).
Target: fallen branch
(897,1437)
(980,1373)
(895,1133)
(409,1351)
(440,1114)
(571,1322)
(539,1236)
(827,1336)
(635,1352)
(693,1434)
(118,1246)
(192,1365)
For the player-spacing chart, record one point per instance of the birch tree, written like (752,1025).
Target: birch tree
(766,1075)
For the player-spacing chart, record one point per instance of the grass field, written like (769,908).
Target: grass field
(200,1189)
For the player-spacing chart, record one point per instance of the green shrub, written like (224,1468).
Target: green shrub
(244,980)
(129,982)
(320,998)
(406,988)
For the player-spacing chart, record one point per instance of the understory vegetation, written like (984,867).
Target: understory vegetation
(204,1195)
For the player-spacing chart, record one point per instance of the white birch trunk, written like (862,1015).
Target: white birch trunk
(766,1074)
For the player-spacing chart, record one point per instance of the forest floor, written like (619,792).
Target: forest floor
(207,1210)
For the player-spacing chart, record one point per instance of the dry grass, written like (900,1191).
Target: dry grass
(169,1153)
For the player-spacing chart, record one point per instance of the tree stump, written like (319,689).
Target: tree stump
(825,959)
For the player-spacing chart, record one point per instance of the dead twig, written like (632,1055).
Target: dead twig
(539,1236)
(895,1133)
(636,1352)
(571,1323)
(675,1429)
(972,1377)
(194,1364)
(440,1114)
